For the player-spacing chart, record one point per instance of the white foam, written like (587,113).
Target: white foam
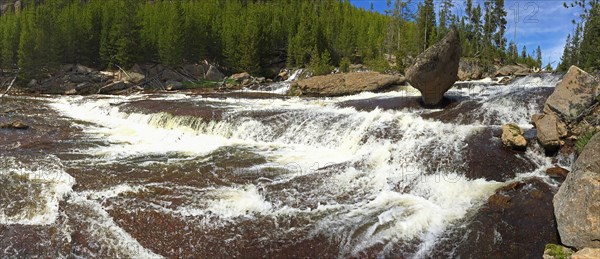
(47,176)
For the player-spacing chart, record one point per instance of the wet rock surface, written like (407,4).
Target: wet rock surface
(517,212)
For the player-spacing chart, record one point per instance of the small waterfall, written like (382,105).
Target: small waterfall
(362,178)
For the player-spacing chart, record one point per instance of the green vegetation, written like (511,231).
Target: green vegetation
(557,251)
(582,48)
(583,139)
(241,35)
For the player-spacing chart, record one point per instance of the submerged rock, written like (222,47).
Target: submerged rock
(577,203)
(436,69)
(573,95)
(512,136)
(17,124)
(342,84)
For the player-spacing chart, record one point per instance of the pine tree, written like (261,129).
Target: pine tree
(426,24)
(538,56)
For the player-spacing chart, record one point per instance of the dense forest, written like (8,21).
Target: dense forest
(242,35)
(583,45)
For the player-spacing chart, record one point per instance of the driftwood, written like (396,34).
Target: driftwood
(9,87)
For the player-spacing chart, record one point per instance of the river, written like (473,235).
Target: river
(252,174)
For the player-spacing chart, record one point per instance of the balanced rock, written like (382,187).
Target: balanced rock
(577,202)
(512,136)
(573,95)
(435,70)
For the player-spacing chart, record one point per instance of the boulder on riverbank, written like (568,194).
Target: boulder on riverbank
(577,202)
(469,69)
(573,95)
(344,84)
(574,99)
(436,69)
(512,70)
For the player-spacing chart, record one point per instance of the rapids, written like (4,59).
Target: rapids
(221,176)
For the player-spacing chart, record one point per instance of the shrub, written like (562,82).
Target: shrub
(345,65)
(584,139)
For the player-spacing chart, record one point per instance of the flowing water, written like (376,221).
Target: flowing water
(233,175)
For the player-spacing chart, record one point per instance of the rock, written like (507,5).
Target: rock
(506,80)
(213,74)
(240,77)
(435,70)
(283,75)
(174,85)
(577,202)
(82,69)
(261,80)
(195,70)
(557,172)
(587,253)
(553,251)
(574,94)
(32,83)
(17,124)
(67,68)
(130,76)
(71,92)
(512,136)
(113,87)
(469,69)
(512,70)
(343,84)
(170,75)
(547,132)
(78,78)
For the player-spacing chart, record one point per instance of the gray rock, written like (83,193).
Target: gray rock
(195,70)
(577,202)
(469,69)
(342,84)
(170,75)
(213,74)
(240,77)
(547,132)
(574,94)
(435,70)
(512,70)
(174,85)
(114,87)
(82,69)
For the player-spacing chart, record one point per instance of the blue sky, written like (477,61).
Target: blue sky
(543,23)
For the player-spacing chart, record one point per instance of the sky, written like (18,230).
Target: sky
(543,22)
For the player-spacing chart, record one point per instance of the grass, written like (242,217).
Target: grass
(557,251)
(584,139)
(203,83)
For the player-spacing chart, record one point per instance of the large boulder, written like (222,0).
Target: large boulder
(213,74)
(343,84)
(435,70)
(577,202)
(512,136)
(240,77)
(547,132)
(512,70)
(587,253)
(573,95)
(114,87)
